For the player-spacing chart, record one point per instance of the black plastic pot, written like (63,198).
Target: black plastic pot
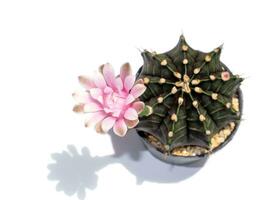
(183,160)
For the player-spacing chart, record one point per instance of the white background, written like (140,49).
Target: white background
(45,45)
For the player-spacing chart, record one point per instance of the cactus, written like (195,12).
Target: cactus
(191,96)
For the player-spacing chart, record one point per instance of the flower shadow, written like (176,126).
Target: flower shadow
(76,172)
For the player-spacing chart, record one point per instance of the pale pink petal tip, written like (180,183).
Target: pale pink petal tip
(86,82)
(129,82)
(78,108)
(119,84)
(92,107)
(138,106)
(98,128)
(109,75)
(139,81)
(125,71)
(131,123)
(108,123)
(100,68)
(130,114)
(99,80)
(96,94)
(120,128)
(81,97)
(130,98)
(95,118)
(138,90)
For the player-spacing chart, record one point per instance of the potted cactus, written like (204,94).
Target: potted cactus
(184,104)
(192,102)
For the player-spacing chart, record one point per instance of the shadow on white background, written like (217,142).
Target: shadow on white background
(76,172)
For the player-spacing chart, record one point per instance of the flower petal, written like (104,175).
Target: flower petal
(130,98)
(87,82)
(81,97)
(138,90)
(78,108)
(129,82)
(92,107)
(138,106)
(100,68)
(96,94)
(120,128)
(119,83)
(108,123)
(98,128)
(125,71)
(108,90)
(95,118)
(99,80)
(109,76)
(131,123)
(130,114)
(139,81)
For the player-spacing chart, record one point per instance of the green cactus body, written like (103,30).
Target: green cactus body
(188,98)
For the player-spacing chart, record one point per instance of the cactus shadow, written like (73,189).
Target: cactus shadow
(76,171)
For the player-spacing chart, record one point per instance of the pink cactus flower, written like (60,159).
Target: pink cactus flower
(110,101)
(225,76)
